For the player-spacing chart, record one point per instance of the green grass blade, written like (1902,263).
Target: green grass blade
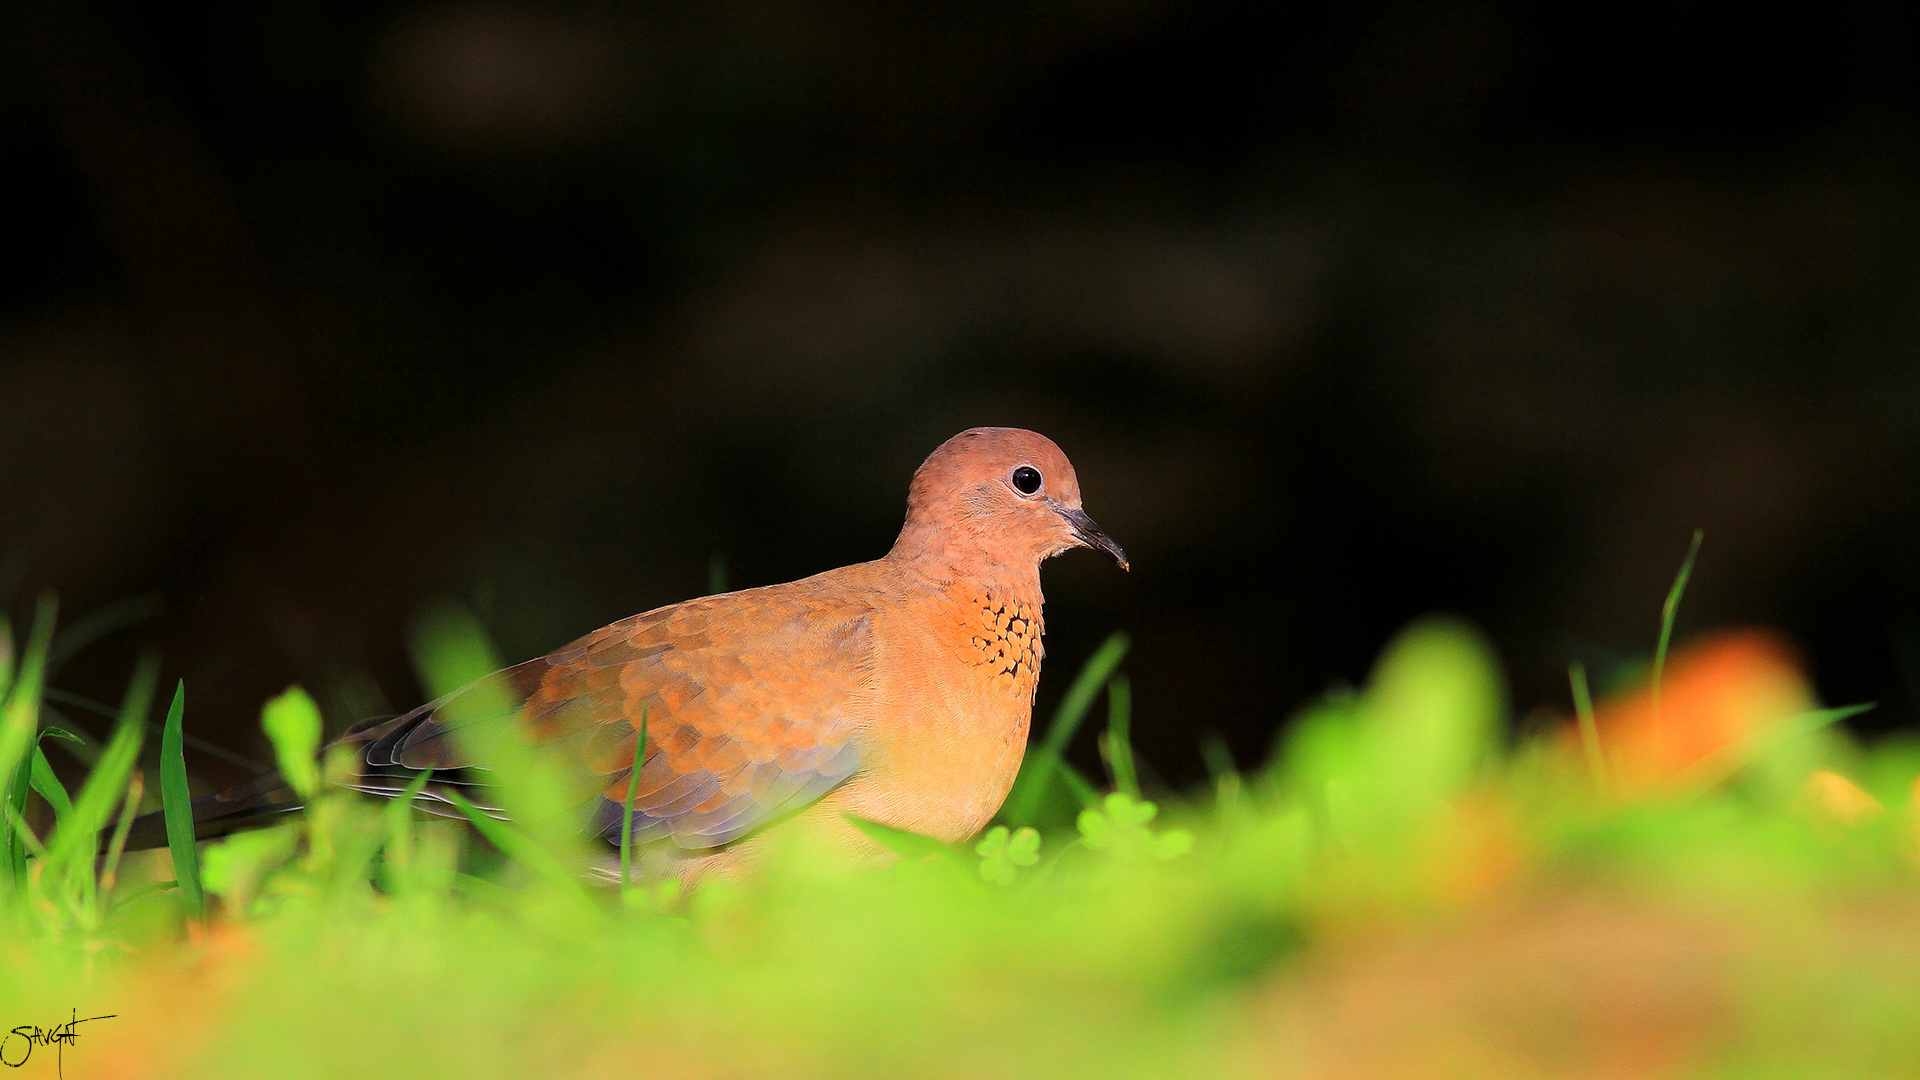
(88,752)
(15,811)
(176,801)
(224,754)
(1710,771)
(1218,758)
(517,845)
(1589,730)
(74,847)
(19,716)
(292,724)
(6,655)
(1078,785)
(1031,785)
(1079,698)
(49,786)
(1668,612)
(902,842)
(398,814)
(90,628)
(400,811)
(479,889)
(64,697)
(129,805)
(1116,745)
(633,786)
(25,836)
(78,744)
(142,892)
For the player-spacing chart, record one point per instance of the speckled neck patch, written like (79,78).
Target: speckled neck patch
(1008,638)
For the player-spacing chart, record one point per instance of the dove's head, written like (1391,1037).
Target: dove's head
(1002,494)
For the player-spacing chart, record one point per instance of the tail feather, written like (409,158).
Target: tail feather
(250,805)
(244,806)
(259,801)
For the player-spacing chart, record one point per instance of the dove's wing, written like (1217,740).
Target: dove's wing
(752,700)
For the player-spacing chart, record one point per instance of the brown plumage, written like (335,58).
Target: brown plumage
(899,689)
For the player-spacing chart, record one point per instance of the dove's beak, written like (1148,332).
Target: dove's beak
(1091,535)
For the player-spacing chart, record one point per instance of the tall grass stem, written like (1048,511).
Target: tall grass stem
(1031,785)
(1589,729)
(1118,742)
(176,805)
(633,786)
(1668,612)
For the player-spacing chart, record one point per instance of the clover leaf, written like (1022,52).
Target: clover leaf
(1003,853)
(1119,825)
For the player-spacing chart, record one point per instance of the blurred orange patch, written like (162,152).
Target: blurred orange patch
(169,1008)
(1839,799)
(1720,690)
(1480,852)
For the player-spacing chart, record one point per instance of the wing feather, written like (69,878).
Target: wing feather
(754,702)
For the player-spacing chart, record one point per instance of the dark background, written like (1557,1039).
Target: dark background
(311,314)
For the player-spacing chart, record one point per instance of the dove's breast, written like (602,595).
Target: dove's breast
(955,673)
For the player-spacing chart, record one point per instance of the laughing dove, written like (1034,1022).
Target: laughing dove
(899,690)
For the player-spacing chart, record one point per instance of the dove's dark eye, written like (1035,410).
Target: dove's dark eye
(1026,479)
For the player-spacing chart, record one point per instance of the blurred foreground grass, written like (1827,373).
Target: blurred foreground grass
(1720,884)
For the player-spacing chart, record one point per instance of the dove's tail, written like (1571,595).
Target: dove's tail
(258,802)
